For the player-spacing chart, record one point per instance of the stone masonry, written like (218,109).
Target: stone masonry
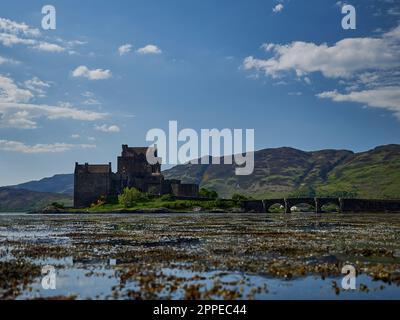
(95,181)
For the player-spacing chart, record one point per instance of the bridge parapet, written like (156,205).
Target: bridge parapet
(256,206)
(369,205)
(345,205)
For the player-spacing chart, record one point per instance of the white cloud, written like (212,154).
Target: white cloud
(7,61)
(88,94)
(150,49)
(10,92)
(75,136)
(17,111)
(15,33)
(55,112)
(71,43)
(91,102)
(49,47)
(38,86)
(10,40)
(13,27)
(108,129)
(90,99)
(31,112)
(124,49)
(17,146)
(96,74)
(368,68)
(343,59)
(20,120)
(278,8)
(384,97)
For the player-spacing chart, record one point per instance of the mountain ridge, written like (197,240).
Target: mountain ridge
(288,171)
(279,172)
(59,183)
(22,200)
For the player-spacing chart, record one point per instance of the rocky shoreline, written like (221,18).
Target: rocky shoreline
(56,210)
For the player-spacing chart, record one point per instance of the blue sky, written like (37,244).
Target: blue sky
(294,75)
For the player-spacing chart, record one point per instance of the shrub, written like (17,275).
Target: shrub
(221,204)
(58,205)
(130,196)
(276,208)
(167,197)
(178,205)
(239,197)
(205,193)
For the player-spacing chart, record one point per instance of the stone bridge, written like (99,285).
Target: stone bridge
(344,205)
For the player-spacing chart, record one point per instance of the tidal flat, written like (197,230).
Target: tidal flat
(200,256)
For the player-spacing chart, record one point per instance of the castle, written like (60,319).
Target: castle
(94,181)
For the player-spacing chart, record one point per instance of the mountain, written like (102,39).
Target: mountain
(282,172)
(371,174)
(20,200)
(60,183)
(290,172)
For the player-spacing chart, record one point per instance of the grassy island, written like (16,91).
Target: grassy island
(132,200)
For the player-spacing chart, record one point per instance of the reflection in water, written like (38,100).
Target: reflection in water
(178,256)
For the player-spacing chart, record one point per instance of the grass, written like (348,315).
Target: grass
(159,202)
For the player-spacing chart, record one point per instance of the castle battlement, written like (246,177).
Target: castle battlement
(93,181)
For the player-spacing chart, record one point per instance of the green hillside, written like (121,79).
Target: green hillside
(278,172)
(372,174)
(20,200)
(60,183)
(290,172)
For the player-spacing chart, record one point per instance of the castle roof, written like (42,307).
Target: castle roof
(127,151)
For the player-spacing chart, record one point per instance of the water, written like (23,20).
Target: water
(217,256)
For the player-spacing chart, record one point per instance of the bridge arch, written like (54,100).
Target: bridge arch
(291,202)
(268,203)
(321,202)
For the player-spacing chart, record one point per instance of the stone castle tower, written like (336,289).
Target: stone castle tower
(94,181)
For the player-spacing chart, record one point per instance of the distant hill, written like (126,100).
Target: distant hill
(278,172)
(20,200)
(291,172)
(60,183)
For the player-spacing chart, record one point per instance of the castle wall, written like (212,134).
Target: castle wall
(185,190)
(90,186)
(95,181)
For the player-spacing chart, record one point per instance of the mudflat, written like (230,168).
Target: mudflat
(200,256)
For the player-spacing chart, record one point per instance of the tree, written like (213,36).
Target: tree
(58,205)
(205,193)
(238,197)
(130,196)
